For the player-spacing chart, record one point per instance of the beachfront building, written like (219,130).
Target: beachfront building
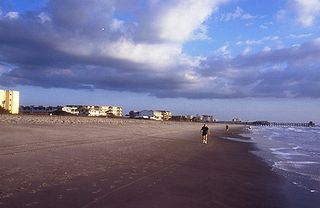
(158,115)
(73,109)
(196,118)
(208,118)
(133,114)
(38,109)
(9,100)
(114,111)
(151,114)
(166,115)
(181,118)
(94,110)
(91,111)
(236,120)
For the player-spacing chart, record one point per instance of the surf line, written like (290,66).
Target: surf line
(125,186)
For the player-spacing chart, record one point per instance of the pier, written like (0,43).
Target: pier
(281,124)
(267,123)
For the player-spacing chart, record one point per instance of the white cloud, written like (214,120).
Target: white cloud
(117,25)
(159,56)
(258,42)
(307,11)
(298,36)
(179,22)
(272,38)
(264,27)
(253,42)
(238,13)
(201,33)
(44,17)
(246,51)
(12,15)
(223,51)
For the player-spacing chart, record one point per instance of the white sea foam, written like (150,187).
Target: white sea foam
(293,152)
(296,147)
(299,130)
(237,139)
(288,153)
(302,162)
(278,148)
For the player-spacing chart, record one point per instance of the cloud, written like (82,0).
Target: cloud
(12,15)
(238,13)
(298,36)
(181,20)
(258,42)
(223,51)
(287,72)
(89,45)
(81,44)
(307,11)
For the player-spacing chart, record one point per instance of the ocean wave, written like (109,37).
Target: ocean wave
(237,140)
(287,155)
(278,148)
(296,147)
(297,167)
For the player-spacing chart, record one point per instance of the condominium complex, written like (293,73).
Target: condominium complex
(9,100)
(109,111)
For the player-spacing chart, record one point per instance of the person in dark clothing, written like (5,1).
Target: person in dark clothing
(227,128)
(204,131)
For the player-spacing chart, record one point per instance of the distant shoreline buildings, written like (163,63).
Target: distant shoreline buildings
(77,110)
(9,101)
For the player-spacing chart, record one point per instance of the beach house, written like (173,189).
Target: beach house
(208,118)
(9,100)
(166,115)
(158,115)
(73,109)
(151,114)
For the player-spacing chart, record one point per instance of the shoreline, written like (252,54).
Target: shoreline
(298,193)
(137,164)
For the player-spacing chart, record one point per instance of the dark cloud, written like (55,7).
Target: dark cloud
(64,46)
(288,72)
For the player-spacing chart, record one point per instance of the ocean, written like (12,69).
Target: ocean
(293,152)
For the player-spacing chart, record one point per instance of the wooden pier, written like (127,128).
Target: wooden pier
(267,123)
(281,124)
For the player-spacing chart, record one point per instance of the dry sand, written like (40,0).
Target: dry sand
(97,162)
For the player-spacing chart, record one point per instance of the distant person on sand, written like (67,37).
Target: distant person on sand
(227,128)
(204,131)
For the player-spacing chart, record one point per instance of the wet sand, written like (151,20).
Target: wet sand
(85,162)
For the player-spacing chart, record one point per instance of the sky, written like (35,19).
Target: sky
(252,59)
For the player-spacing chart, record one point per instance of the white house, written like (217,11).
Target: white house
(73,109)
(151,114)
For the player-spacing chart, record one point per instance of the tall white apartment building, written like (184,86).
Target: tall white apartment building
(9,100)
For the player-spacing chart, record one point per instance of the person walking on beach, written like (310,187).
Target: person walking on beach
(227,128)
(204,131)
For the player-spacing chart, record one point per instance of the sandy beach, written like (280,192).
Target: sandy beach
(98,162)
